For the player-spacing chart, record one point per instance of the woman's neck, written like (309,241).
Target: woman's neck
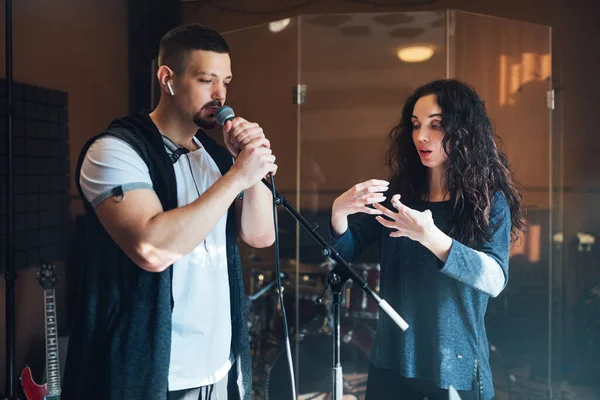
(438,188)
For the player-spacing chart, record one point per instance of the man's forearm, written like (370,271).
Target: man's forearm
(257,228)
(173,234)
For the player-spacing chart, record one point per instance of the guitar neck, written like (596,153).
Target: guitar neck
(52,365)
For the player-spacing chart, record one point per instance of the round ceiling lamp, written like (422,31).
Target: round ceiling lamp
(278,26)
(415,54)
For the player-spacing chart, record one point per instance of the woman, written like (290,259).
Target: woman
(444,239)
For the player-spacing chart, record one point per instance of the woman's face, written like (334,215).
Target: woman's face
(428,132)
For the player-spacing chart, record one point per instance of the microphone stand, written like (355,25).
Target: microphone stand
(10,273)
(335,280)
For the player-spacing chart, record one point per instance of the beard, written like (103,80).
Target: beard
(209,121)
(204,123)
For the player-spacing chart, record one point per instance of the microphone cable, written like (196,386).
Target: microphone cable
(288,349)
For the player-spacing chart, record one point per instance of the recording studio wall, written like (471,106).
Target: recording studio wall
(41,174)
(148,21)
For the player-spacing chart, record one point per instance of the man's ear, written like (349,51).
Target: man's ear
(165,77)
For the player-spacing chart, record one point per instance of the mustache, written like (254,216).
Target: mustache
(215,103)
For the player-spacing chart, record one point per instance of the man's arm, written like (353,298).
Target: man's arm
(155,239)
(255,223)
(254,214)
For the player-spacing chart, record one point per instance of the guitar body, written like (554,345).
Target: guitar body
(32,390)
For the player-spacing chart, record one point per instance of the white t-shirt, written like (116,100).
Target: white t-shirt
(201,334)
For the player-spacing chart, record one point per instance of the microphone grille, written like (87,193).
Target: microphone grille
(224,114)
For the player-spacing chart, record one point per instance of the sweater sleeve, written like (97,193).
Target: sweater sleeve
(485,268)
(358,237)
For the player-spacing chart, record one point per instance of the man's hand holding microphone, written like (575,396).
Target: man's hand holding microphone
(247,142)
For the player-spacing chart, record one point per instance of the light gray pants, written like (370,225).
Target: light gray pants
(218,391)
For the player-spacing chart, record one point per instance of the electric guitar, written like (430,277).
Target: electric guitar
(51,389)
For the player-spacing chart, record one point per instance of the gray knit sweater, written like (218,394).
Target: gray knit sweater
(444,303)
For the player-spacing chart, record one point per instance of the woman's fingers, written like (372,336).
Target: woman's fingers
(386,223)
(361,196)
(369,210)
(371,182)
(372,199)
(386,211)
(368,187)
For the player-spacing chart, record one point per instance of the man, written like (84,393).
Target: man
(161,313)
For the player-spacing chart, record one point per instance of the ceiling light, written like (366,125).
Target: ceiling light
(278,26)
(413,54)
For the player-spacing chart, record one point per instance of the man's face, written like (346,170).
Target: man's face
(202,88)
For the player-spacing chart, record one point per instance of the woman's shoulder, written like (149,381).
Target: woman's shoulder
(499,205)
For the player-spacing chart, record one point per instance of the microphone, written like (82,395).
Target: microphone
(224,114)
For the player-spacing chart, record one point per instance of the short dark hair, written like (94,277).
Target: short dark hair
(178,42)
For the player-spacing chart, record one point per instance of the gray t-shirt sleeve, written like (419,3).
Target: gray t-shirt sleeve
(110,168)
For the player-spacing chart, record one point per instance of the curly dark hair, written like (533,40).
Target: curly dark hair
(477,169)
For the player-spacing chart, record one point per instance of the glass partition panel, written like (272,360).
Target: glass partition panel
(327,89)
(265,72)
(509,63)
(356,85)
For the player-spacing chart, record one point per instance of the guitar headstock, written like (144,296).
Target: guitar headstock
(47,276)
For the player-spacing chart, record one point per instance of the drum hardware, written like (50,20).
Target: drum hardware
(358,304)
(335,280)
